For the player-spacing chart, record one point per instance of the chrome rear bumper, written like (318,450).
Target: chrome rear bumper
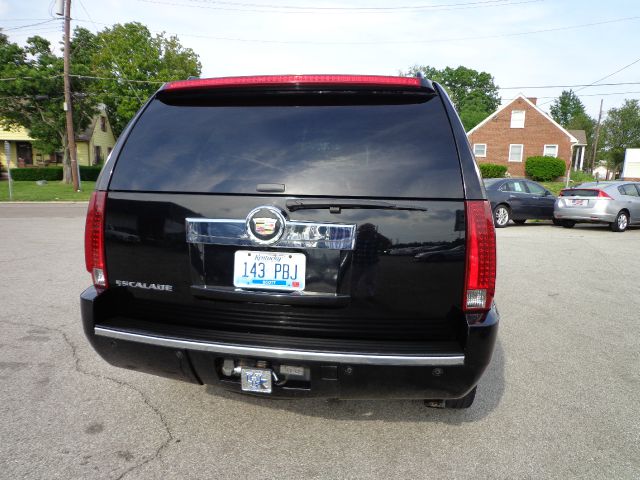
(277,353)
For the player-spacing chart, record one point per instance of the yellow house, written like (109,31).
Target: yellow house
(93,145)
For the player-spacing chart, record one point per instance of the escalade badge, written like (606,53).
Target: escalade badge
(265,225)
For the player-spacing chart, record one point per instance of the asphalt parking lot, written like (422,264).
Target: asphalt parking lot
(560,400)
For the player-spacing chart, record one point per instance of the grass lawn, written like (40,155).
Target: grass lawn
(52,191)
(554,187)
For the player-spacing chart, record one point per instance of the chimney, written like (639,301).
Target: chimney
(532,99)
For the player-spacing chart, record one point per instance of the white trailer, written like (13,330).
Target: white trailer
(631,168)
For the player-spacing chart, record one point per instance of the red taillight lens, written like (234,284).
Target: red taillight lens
(94,240)
(480,283)
(266,80)
(603,194)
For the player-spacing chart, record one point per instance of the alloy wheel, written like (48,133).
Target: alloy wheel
(622,221)
(502,216)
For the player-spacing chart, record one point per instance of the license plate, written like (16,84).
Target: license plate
(269,270)
(255,380)
(578,202)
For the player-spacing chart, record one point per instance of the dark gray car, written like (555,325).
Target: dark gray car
(519,200)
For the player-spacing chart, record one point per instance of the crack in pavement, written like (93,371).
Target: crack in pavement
(80,369)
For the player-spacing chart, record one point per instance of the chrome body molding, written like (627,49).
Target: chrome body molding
(297,234)
(281,353)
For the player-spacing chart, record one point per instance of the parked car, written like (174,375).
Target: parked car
(616,203)
(266,211)
(519,200)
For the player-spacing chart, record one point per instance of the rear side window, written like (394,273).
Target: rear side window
(535,189)
(628,189)
(516,187)
(394,150)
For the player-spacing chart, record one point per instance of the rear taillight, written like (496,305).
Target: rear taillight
(480,282)
(94,240)
(603,194)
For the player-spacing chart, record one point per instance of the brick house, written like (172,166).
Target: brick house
(519,130)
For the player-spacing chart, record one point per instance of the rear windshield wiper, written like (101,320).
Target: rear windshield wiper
(335,206)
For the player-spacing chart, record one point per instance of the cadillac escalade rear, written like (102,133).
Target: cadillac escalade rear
(295,236)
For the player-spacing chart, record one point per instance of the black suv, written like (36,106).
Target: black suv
(293,236)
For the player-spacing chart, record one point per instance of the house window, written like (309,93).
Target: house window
(97,156)
(515,152)
(517,118)
(550,151)
(103,123)
(480,149)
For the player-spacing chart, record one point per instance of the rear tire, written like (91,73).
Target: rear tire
(501,216)
(568,223)
(556,222)
(464,402)
(519,222)
(621,222)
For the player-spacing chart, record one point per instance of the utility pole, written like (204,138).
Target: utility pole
(7,156)
(71,137)
(595,140)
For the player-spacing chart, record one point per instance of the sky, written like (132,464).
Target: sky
(523,43)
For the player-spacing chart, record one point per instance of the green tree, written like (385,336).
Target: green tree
(567,106)
(35,98)
(133,64)
(569,111)
(474,94)
(620,130)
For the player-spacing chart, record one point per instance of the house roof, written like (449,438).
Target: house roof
(87,133)
(15,133)
(581,135)
(572,139)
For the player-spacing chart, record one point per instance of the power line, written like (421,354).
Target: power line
(108,93)
(39,32)
(593,84)
(606,94)
(397,7)
(413,41)
(158,82)
(612,74)
(41,28)
(90,77)
(23,19)
(29,25)
(229,6)
(118,79)
(115,62)
(393,42)
(569,86)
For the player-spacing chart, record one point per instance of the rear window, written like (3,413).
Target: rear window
(580,192)
(392,150)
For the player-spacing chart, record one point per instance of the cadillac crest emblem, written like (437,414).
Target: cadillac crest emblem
(265,225)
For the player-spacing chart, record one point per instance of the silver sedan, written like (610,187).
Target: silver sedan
(616,203)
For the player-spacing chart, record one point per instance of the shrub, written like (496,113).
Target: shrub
(90,174)
(491,170)
(50,174)
(581,177)
(545,169)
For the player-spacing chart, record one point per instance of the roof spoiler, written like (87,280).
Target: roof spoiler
(366,81)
